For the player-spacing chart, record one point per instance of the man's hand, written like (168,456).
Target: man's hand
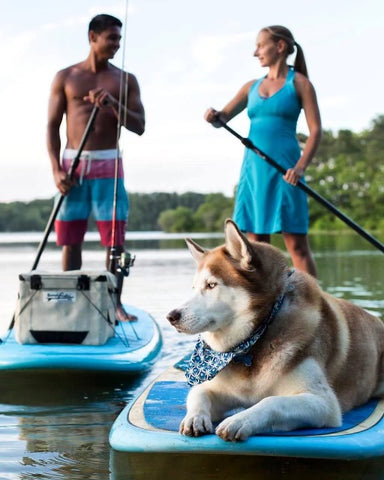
(101,98)
(62,181)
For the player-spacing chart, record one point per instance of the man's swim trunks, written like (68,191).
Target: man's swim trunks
(93,192)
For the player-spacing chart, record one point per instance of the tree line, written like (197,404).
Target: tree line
(347,170)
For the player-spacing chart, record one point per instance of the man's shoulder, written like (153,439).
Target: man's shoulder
(131,77)
(71,70)
(128,77)
(113,68)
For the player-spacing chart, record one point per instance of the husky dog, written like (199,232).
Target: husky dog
(272,345)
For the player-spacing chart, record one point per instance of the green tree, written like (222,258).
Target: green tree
(347,170)
(145,208)
(211,214)
(177,220)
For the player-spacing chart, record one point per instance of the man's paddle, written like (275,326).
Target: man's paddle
(71,174)
(56,208)
(306,188)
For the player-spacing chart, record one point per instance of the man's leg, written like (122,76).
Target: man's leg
(112,231)
(71,225)
(72,257)
(121,314)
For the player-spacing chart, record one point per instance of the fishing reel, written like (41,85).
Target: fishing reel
(125,262)
(120,264)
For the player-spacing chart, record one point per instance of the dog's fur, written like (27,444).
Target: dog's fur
(320,356)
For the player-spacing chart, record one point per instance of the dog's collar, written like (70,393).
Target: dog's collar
(205,362)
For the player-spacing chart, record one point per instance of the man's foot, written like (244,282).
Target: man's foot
(123,316)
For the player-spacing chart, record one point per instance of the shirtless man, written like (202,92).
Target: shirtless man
(75,91)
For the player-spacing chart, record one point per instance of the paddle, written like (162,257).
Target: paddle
(71,174)
(247,142)
(56,208)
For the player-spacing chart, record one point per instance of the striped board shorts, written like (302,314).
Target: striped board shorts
(93,193)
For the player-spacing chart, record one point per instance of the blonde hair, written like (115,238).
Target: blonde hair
(278,32)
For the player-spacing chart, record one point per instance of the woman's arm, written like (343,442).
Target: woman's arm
(233,108)
(307,95)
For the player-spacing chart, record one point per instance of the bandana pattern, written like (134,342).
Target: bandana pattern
(206,363)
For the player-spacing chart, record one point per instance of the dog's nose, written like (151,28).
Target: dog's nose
(174,316)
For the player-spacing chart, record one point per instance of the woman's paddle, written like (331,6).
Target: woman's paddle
(71,174)
(306,188)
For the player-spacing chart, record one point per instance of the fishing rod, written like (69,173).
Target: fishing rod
(120,262)
(71,174)
(303,186)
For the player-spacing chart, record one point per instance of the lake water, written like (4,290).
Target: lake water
(56,427)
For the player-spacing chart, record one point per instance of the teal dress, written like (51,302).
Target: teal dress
(265,203)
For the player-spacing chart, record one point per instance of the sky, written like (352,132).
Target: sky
(187,56)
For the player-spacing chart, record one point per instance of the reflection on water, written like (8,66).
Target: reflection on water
(56,426)
(238,467)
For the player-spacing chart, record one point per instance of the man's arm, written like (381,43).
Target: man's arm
(56,109)
(132,113)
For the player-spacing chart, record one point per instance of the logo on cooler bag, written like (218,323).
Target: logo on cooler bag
(60,296)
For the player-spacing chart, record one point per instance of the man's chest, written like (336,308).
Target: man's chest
(79,85)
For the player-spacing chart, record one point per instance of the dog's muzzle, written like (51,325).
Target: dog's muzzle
(174,316)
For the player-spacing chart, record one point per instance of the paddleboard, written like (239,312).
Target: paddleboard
(150,424)
(133,349)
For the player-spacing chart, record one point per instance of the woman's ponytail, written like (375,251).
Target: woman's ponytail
(300,64)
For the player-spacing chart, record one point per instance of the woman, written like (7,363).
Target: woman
(266,202)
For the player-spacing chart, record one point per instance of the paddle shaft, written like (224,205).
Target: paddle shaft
(71,174)
(307,189)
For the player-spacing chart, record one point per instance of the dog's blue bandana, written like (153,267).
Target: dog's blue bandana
(206,363)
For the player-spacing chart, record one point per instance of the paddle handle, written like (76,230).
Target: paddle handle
(247,142)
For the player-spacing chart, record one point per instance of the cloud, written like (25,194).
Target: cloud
(336,101)
(13,51)
(66,22)
(210,50)
(118,9)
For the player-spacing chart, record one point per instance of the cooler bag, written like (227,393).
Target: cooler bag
(73,307)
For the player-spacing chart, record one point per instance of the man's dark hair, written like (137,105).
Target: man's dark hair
(103,21)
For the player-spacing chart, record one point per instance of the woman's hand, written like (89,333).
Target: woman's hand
(293,175)
(212,116)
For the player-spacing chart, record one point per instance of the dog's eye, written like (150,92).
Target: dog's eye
(211,285)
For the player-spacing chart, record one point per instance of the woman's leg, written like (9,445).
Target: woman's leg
(259,237)
(298,247)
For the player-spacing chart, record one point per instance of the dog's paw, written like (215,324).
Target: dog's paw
(234,429)
(196,425)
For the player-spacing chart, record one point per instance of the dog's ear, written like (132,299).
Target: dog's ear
(237,245)
(197,252)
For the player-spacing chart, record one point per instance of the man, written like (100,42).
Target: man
(75,91)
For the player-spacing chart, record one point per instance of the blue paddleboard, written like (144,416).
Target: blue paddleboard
(133,349)
(150,424)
